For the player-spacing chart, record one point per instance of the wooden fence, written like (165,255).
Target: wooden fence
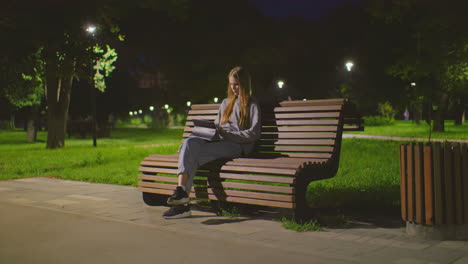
(434,183)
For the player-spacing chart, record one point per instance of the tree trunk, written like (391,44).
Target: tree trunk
(12,121)
(460,117)
(439,118)
(58,92)
(417,116)
(31,125)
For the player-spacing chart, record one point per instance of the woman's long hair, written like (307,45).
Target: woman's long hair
(245,90)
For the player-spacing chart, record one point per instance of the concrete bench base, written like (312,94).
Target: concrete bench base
(438,232)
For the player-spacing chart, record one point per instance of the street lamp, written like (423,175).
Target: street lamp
(349,65)
(189,103)
(151,108)
(413,84)
(215,99)
(91,30)
(166,106)
(280,84)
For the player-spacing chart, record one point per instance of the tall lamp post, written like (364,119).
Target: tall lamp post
(91,30)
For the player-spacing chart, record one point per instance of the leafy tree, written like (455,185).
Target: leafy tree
(431,47)
(57,29)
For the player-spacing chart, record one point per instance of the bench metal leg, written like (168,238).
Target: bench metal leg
(302,211)
(154,199)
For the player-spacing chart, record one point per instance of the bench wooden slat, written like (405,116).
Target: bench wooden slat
(259,170)
(312,102)
(203,112)
(307,115)
(263,196)
(159,157)
(205,106)
(258,187)
(304,122)
(168,179)
(307,142)
(307,108)
(284,165)
(254,201)
(308,155)
(259,178)
(164,186)
(302,148)
(291,135)
(299,128)
(158,170)
(206,117)
(158,163)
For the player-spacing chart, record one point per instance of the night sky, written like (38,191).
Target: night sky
(307,9)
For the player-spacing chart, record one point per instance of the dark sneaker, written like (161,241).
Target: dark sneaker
(178,211)
(179,197)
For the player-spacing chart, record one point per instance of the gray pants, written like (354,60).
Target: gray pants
(195,152)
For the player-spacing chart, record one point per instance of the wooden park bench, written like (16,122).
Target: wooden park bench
(300,143)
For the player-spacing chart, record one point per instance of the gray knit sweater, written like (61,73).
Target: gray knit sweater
(246,136)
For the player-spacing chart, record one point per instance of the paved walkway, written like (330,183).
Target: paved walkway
(47,220)
(404,138)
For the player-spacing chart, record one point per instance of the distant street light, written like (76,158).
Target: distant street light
(413,84)
(189,103)
(215,99)
(130,113)
(91,30)
(135,113)
(280,84)
(151,108)
(140,111)
(349,65)
(166,106)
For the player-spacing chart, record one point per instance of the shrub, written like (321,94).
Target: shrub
(378,121)
(386,110)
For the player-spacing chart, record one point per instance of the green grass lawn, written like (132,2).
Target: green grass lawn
(114,161)
(410,129)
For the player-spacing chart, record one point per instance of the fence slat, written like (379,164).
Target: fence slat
(448,182)
(403,177)
(438,205)
(428,191)
(458,184)
(410,182)
(418,181)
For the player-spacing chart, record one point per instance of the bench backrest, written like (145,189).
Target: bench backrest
(302,129)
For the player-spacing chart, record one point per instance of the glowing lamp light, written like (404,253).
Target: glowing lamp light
(130,113)
(151,108)
(189,103)
(166,106)
(215,99)
(280,84)
(349,66)
(135,113)
(413,84)
(140,111)
(91,29)
(304,99)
